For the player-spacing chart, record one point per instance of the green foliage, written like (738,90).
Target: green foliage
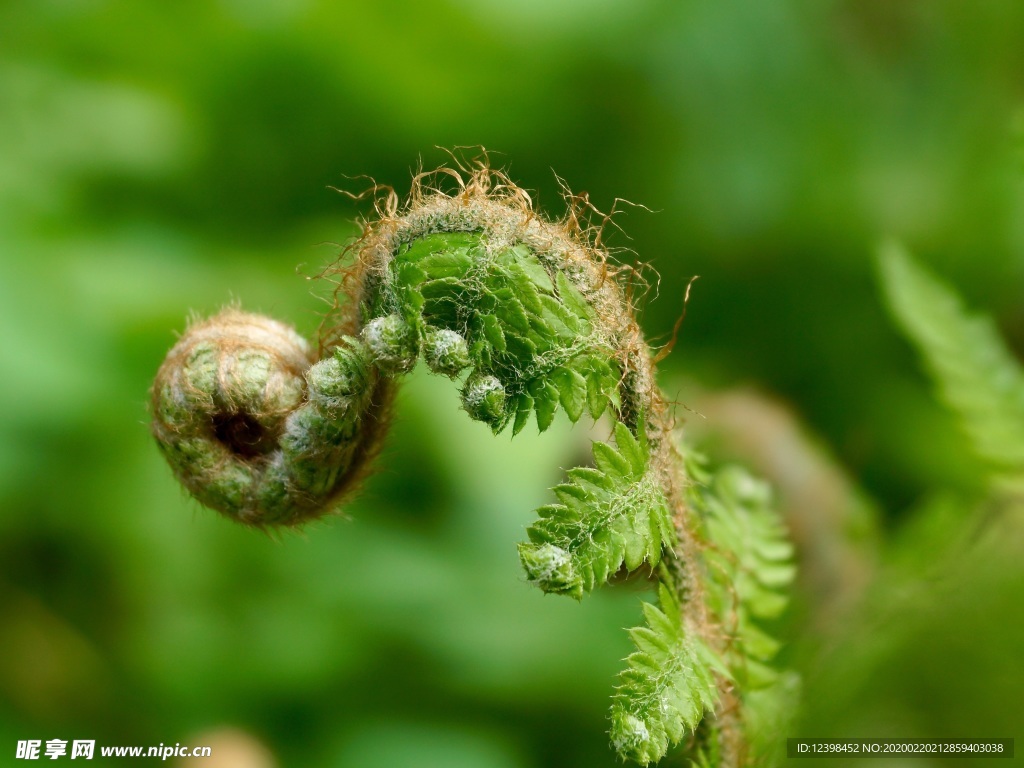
(977,375)
(670,681)
(666,688)
(534,343)
(612,514)
(933,641)
(749,569)
(524,323)
(748,564)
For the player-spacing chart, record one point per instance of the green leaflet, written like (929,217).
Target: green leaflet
(748,566)
(533,332)
(605,517)
(978,376)
(667,686)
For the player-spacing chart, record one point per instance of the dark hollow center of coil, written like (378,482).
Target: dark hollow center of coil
(242,434)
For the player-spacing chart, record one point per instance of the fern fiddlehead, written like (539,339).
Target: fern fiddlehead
(530,316)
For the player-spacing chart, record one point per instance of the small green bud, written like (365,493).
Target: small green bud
(483,397)
(335,383)
(551,568)
(392,343)
(630,736)
(446,352)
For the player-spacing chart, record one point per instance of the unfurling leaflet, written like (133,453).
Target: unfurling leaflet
(529,316)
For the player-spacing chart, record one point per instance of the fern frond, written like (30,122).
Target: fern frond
(667,686)
(670,682)
(749,567)
(608,515)
(527,313)
(978,376)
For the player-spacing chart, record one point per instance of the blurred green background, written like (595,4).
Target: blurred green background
(162,158)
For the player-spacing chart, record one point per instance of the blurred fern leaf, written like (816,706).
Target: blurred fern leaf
(749,567)
(978,376)
(672,679)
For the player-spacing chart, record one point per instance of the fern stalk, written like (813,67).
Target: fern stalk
(531,318)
